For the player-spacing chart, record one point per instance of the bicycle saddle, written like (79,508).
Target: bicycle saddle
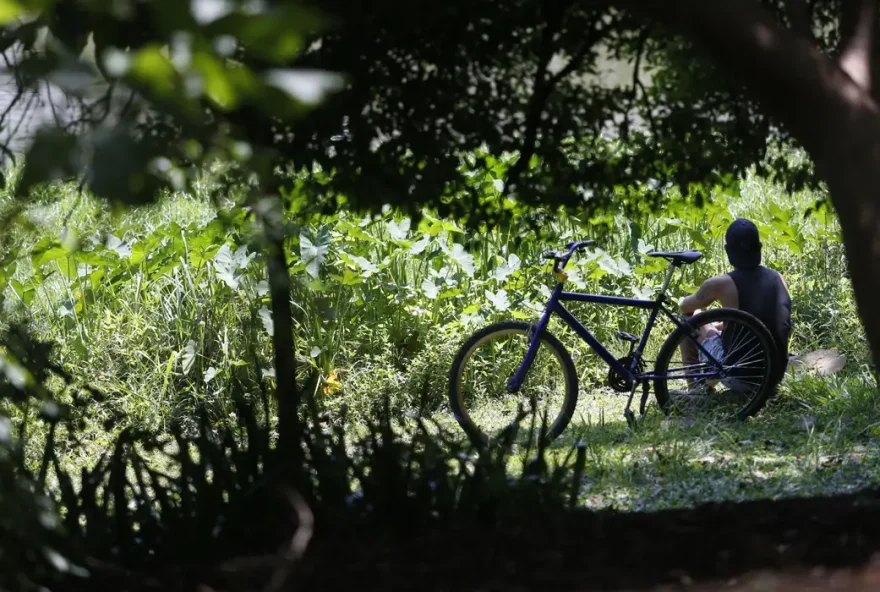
(677,257)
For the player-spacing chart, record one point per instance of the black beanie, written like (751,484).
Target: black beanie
(743,244)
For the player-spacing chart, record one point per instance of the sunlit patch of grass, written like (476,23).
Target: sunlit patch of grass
(797,446)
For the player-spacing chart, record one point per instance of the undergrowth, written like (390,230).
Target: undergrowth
(165,508)
(161,305)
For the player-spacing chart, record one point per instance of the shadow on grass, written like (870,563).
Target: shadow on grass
(818,436)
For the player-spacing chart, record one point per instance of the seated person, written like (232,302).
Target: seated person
(750,287)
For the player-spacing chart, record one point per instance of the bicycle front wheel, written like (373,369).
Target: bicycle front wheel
(689,379)
(478,394)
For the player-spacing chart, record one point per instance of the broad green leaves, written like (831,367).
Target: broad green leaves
(229,265)
(464,259)
(313,249)
(398,230)
(499,299)
(507,268)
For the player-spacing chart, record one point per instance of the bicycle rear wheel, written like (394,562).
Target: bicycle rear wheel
(478,395)
(693,385)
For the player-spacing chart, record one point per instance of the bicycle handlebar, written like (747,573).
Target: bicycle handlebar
(563,259)
(578,245)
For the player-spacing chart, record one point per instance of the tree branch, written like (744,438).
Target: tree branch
(858,23)
(799,18)
(636,83)
(792,78)
(544,86)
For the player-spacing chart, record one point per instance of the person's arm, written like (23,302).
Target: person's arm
(708,293)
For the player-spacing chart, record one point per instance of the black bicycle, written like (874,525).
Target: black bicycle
(719,361)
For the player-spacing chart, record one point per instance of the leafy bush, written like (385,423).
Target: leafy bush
(157,500)
(172,300)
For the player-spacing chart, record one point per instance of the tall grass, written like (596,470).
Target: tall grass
(162,306)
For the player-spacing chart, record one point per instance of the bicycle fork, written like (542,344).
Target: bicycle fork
(516,381)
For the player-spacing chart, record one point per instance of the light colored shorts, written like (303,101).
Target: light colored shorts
(715,347)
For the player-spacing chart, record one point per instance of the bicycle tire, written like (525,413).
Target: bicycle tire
(547,339)
(715,315)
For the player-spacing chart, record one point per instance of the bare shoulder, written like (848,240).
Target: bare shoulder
(723,288)
(719,283)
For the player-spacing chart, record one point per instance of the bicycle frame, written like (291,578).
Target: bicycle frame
(656,306)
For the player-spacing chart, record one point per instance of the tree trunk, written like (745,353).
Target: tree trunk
(287,391)
(835,119)
(851,166)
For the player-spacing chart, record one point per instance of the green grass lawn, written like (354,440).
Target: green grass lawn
(819,436)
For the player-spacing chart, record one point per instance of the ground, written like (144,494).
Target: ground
(830,543)
(819,436)
(714,546)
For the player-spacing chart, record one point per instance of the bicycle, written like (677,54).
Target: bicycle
(745,368)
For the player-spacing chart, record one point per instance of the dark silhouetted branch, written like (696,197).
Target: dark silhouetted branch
(636,82)
(544,85)
(798,12)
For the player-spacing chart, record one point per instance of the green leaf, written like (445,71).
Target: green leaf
(449,294)
(355,231)
(349,278)
(430,289)
(698,238)
(398,230)
(463,258)
(313,250)
(266,317)
(499,299)
(68,267)
(451,226)
(507,268)
(188,357)
(219,85)
(26,294)
(431,226)
(153,70)
(46,251)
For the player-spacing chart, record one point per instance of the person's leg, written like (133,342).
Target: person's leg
(690,354)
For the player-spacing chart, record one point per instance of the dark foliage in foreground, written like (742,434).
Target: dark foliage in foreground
(230,498)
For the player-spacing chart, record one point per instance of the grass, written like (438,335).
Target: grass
(818,436)
(382,303)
